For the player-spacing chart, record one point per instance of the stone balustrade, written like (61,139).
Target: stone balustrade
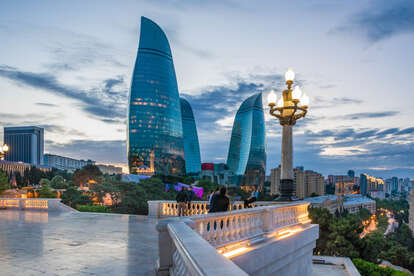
(192,255)
(48,204)
(222,232)
(169,208)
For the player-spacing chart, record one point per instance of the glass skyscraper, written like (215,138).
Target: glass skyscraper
(25,143)
(191,145)
(154,119)
(247,151)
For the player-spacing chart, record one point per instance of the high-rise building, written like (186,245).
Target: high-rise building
(351,173)
(218,173)
(191,145)
(394,184)
(25,144)
(154,115)
(388,184)
(65,163)
(247,151)
(370,184)
(344,185)
(307,183)
(411,211)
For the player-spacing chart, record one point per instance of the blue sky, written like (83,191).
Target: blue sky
(67,65)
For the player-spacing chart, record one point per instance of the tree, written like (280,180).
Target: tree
(207,186)
(374,243)
(369,269)
(4,182)
(45,192)
(58,182)
(322,217)
(134,196)
(73,197)
(34,175)
(44,182)
(89,172)
(101,190)
(398,255)
(364,214)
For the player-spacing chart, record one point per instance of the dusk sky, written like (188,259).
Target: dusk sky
(67,66)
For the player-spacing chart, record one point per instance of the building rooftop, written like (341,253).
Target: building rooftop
(320,199)
(333,266)
(353,199)
(73,243)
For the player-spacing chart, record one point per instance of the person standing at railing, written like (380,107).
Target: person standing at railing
(220,202)
(253,197)
(190,197)
(181,200)
(210,198)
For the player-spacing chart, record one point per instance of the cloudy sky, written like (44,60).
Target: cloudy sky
(67,65)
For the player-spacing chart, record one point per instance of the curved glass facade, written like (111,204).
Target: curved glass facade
(247,151)
(191,145)
(154,115)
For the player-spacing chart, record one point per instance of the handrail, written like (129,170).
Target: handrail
(195,256)
(49,204)
(169,208)
(183,250)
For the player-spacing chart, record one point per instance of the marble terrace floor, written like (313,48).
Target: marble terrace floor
(42,243)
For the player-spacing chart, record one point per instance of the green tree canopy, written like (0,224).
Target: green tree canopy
(4,182)
(89,172)
(45,192)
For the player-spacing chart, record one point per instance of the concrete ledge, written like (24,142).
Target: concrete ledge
(289,256)
(347,264)
(198,256)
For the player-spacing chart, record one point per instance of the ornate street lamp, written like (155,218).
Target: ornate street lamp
(292,106)
(3,150)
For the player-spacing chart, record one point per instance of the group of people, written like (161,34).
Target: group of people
(218,201)
(184,198)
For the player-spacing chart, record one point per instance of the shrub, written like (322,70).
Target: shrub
(370,269)
(93,208)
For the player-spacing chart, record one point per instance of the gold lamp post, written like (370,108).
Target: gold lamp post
(292,105)
(3,150)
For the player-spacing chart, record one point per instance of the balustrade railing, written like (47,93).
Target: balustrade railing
(50,204)
(169,208)
(228,227)
(225,229)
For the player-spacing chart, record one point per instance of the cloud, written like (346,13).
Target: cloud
(365,115)
(46,104)
(345,100)
(103,103)
(406,131)
(108,151)
(382,20)
(387,132)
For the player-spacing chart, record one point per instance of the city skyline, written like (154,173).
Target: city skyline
(74,78)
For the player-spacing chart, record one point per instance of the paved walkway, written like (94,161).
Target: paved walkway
(41,243)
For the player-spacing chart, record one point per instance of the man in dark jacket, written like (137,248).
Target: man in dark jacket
(220,202)
(190,197)
(181,200)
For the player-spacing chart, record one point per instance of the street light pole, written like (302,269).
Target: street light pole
(292,106)
(3,150)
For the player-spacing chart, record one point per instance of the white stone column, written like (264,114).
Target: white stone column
(287,149)
(165,248)
(154,208)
